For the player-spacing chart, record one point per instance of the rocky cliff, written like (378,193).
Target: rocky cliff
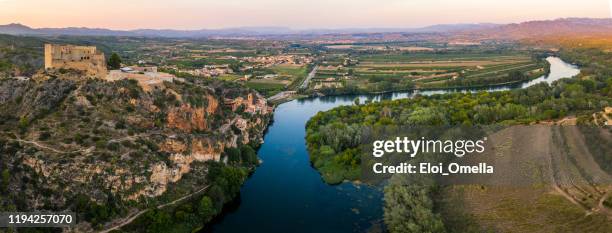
(64,142)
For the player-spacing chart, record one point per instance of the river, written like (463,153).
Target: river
(285,194)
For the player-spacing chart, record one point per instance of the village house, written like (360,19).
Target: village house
(267,61)
(251,105)
(210,71)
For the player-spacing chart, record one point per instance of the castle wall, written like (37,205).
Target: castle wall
(48,56)
(83,58)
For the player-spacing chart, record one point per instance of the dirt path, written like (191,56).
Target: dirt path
(133,137)
(575,180)
(130,218)
(568,197)
(39,145)
(603,209)
(183,198)
(137,214)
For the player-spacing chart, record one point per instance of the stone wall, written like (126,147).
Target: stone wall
(83,58)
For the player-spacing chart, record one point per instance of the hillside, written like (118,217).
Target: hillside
(107,149)
(545,28)
(20,56)
(514,31)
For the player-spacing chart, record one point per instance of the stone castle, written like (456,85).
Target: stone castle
(83,58)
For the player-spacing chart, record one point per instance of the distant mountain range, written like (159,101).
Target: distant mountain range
(20,29)
(586,26)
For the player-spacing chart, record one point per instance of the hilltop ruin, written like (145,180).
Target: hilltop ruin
(71,57)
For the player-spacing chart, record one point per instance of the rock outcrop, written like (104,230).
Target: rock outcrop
(112,139)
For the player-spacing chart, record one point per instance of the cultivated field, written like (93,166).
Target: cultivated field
(385,71)
(278,78)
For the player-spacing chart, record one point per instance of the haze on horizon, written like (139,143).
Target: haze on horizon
(297,14)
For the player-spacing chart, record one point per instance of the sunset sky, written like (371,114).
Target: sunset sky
(298,14)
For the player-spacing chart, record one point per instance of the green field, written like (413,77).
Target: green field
(266,88)
(440,56)
(292,73)
(385,71)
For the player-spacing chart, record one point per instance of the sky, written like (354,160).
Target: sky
(296,14)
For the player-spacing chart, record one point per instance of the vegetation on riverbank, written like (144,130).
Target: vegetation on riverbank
(331,135)
(411,208)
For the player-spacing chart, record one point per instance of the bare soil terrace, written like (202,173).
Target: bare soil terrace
(546,180)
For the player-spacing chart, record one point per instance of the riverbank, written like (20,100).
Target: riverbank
(329,136)
(337,163)
(483,87)
(286,181)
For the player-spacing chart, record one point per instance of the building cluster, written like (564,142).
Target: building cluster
(268,61)
(252,104)
(267,76)
(210,71)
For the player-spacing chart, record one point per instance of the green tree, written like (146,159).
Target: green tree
(217,196)
(206,209)
(6,176)
(23,122)
(158,221)
(249,155)
(408,208)
(233,154)
(235,66)
(114,62)
(426,116)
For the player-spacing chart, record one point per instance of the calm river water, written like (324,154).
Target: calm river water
(285,194)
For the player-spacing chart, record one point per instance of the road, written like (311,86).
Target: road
(282,95)
(309,77)
(304,85)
